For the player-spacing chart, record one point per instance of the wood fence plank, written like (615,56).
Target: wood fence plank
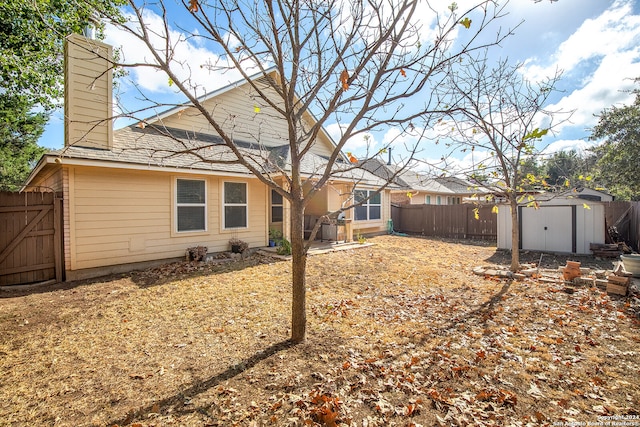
(29,269)
(30,225)
(5,209)
(451,221)
(57,239)
(28,242)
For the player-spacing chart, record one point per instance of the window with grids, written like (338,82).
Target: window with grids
(235,207)
(191,205)
(371,208)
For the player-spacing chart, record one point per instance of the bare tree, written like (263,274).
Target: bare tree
(501,117)
(364,65)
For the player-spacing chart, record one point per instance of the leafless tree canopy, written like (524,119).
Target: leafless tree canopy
(500,117)
(365,66)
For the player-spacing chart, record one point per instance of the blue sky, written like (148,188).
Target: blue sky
(595,43)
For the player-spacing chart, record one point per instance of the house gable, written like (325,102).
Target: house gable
(242,113)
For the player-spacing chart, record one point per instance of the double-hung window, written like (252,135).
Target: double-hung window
(191,205)
(235,207)
(371,207)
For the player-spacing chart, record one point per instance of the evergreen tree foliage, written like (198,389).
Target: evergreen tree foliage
(618,163)
(19,134)
(32,41)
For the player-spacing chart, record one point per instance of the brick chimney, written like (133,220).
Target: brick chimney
(88,91)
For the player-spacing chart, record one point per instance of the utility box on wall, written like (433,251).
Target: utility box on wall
(564,224)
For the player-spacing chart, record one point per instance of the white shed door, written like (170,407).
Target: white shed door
(547,229)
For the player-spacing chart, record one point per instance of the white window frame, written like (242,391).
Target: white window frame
(178,205)
(368,205)
(224,205)
(427,199)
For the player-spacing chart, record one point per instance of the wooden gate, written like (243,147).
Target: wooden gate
(30,238)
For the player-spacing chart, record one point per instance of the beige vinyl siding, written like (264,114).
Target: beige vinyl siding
(121,216)
(420,199)
(234,110)
(50,178)
(88,93)
(337,195)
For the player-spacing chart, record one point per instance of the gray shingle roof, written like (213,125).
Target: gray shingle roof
(162,147)
(409,179)
(178,148)
(459,185)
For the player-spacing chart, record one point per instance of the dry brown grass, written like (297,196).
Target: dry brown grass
(400,333)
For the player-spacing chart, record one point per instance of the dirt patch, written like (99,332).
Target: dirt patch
(400,333)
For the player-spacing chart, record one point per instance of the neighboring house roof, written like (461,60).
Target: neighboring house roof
(425,184)
(408,179)
(461,186)
(386,172)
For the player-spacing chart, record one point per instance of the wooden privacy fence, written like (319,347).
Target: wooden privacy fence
(452,221)
(458,221)
(30,238)
(625,217)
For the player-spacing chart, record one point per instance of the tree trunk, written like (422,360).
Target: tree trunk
(515,235)
(298,273)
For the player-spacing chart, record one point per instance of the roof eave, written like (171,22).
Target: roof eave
(45,160)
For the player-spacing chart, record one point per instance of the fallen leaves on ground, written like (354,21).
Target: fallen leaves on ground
(401,333)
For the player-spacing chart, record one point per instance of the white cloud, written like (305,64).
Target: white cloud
(599,61)
(578,145)
(404,144)
(191,61)
(360,144)
(616,30)
(608,85)
(463,165)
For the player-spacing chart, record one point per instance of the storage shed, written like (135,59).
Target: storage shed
(565,223)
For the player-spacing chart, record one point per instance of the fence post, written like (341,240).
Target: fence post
(57,237)
(466,222)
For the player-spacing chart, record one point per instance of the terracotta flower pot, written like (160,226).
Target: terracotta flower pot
(571,271)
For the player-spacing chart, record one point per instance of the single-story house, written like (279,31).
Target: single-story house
(146,192)
(415,188)
(560,223)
